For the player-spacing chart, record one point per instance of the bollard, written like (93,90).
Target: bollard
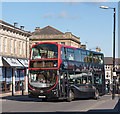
(12,90)
(113,92)
(22,88)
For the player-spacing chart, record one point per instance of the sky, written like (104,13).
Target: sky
(86,20)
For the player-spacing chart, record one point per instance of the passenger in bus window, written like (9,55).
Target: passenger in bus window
(89,82)
(48,77)
(52,78)
(55,55)
(71,57)
(44,56)
(84,82)
(37,55)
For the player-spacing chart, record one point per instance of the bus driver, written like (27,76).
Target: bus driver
(41,78)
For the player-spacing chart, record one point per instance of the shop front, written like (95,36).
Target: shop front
(24,72)
(12,74)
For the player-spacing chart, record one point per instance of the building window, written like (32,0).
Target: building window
(23,48)
(56,42)
(15,47)
(11,46)
(69,43)
(0,44)
(106,67)
(63,43)
(20,46)
(107,74)
(5,44)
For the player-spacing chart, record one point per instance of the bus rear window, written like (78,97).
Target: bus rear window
(44,51)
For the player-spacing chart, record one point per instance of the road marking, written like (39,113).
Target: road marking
(92,107)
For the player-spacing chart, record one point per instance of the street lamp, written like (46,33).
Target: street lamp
(113,92)
(104,7)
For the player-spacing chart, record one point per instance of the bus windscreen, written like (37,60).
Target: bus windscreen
(42,78)
(44,51)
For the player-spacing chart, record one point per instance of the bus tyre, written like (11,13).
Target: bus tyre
(30,96)
(70,96)
(96,95)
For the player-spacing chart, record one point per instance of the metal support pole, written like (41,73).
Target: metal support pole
(22,88)
(26,79)
(13,81)
(12,90)
(114,79)
(113,92)
(5,79)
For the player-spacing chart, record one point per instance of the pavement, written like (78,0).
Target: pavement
(19,103)
(10,94)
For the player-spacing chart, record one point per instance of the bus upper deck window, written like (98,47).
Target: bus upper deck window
(100,59)
(70,54)
(62,53)
(45,51)
(77,55)
(71,57)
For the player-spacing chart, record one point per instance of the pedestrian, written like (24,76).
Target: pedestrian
(108,87)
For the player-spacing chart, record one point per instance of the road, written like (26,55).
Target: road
(25,104)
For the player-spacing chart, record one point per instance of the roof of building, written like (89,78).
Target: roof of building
(109,61)
(47,31)
(4,24)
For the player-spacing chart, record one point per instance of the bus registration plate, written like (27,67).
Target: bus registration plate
(42,96)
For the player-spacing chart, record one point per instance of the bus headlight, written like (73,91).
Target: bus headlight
(54,92)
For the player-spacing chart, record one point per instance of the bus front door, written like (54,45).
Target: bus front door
(63,85)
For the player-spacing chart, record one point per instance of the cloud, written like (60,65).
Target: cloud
(49,15)
(63,14)
(75,16)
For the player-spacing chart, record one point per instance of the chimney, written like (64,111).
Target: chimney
(37,28)
(15,24)
(22,27)
(68,35)
(83,46)
(97,49)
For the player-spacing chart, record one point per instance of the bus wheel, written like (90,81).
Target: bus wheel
(70,96)
(96,95)
(30,96)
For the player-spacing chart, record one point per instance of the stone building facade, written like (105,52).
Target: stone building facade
(108,62)
(14,54)
(50,34)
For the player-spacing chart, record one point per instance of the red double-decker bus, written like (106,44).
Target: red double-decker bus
(59,71)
